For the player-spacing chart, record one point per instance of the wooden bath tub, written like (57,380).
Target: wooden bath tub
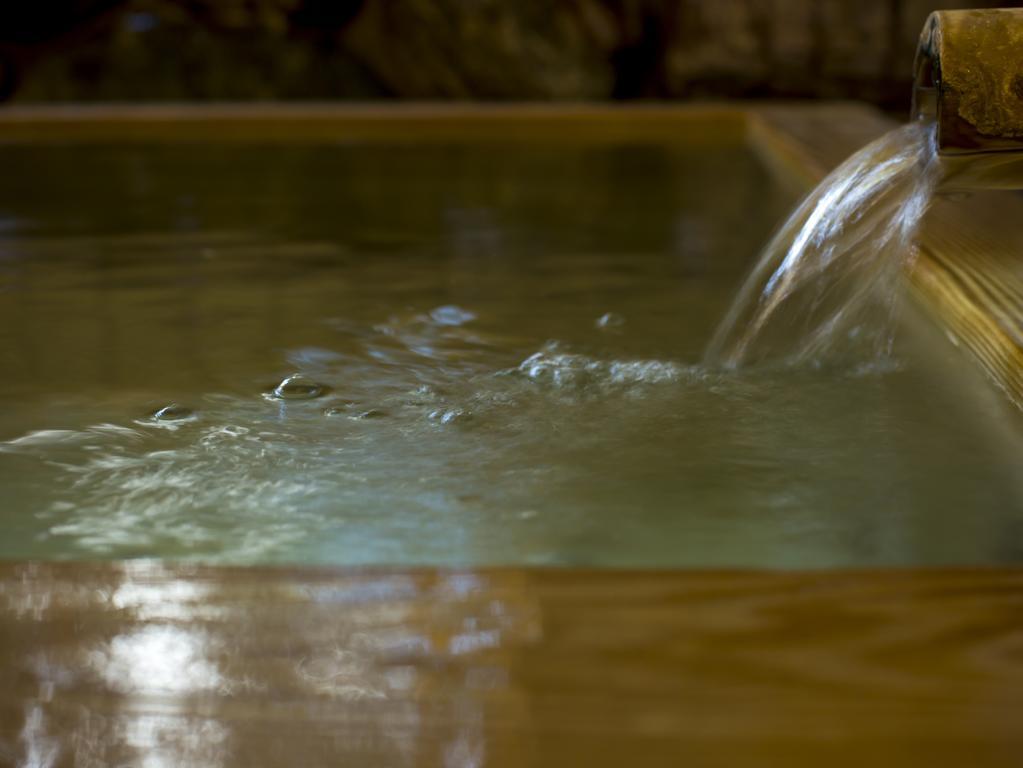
(141,662)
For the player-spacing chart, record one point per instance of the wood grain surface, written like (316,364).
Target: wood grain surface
(147,664)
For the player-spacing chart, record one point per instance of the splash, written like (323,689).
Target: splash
(828,281)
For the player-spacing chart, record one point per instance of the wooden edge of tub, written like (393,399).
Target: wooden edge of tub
(969,270)
(116,662)
(397,122)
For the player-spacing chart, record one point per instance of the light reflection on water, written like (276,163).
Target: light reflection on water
(497,357)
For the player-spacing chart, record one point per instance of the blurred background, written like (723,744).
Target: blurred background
(116,50)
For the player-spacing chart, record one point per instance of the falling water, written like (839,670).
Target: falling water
(828,281)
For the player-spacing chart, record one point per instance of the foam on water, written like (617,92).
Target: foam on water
(829,279)
(563,370)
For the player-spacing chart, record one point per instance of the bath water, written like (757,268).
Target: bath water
(474,353)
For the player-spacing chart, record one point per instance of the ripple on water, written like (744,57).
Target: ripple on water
(46,441)
(372,413)
(340,408)
(449,415)
(297,387)
(243,485)
(173,412)
(226,493)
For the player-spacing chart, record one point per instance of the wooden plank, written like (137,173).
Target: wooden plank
(971,272)
(147,664)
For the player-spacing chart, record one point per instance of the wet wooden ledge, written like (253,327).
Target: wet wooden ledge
(400,122)
(141,663)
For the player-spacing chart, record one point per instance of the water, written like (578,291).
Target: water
(829,281)
(452,354)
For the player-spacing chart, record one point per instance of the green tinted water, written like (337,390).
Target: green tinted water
(500,347)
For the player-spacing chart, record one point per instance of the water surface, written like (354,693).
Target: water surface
(500,347)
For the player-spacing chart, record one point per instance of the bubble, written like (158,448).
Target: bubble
(173,412)
(297,387)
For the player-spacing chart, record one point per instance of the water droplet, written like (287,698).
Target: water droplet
(297,387)
(173,412)
(610,320)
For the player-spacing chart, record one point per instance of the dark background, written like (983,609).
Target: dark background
(117,50)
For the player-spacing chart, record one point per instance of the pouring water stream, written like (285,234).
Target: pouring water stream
(830,276)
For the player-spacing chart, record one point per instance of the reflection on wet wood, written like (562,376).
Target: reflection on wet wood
(145,664)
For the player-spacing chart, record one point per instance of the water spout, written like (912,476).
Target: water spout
(969,80)
(829,278)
